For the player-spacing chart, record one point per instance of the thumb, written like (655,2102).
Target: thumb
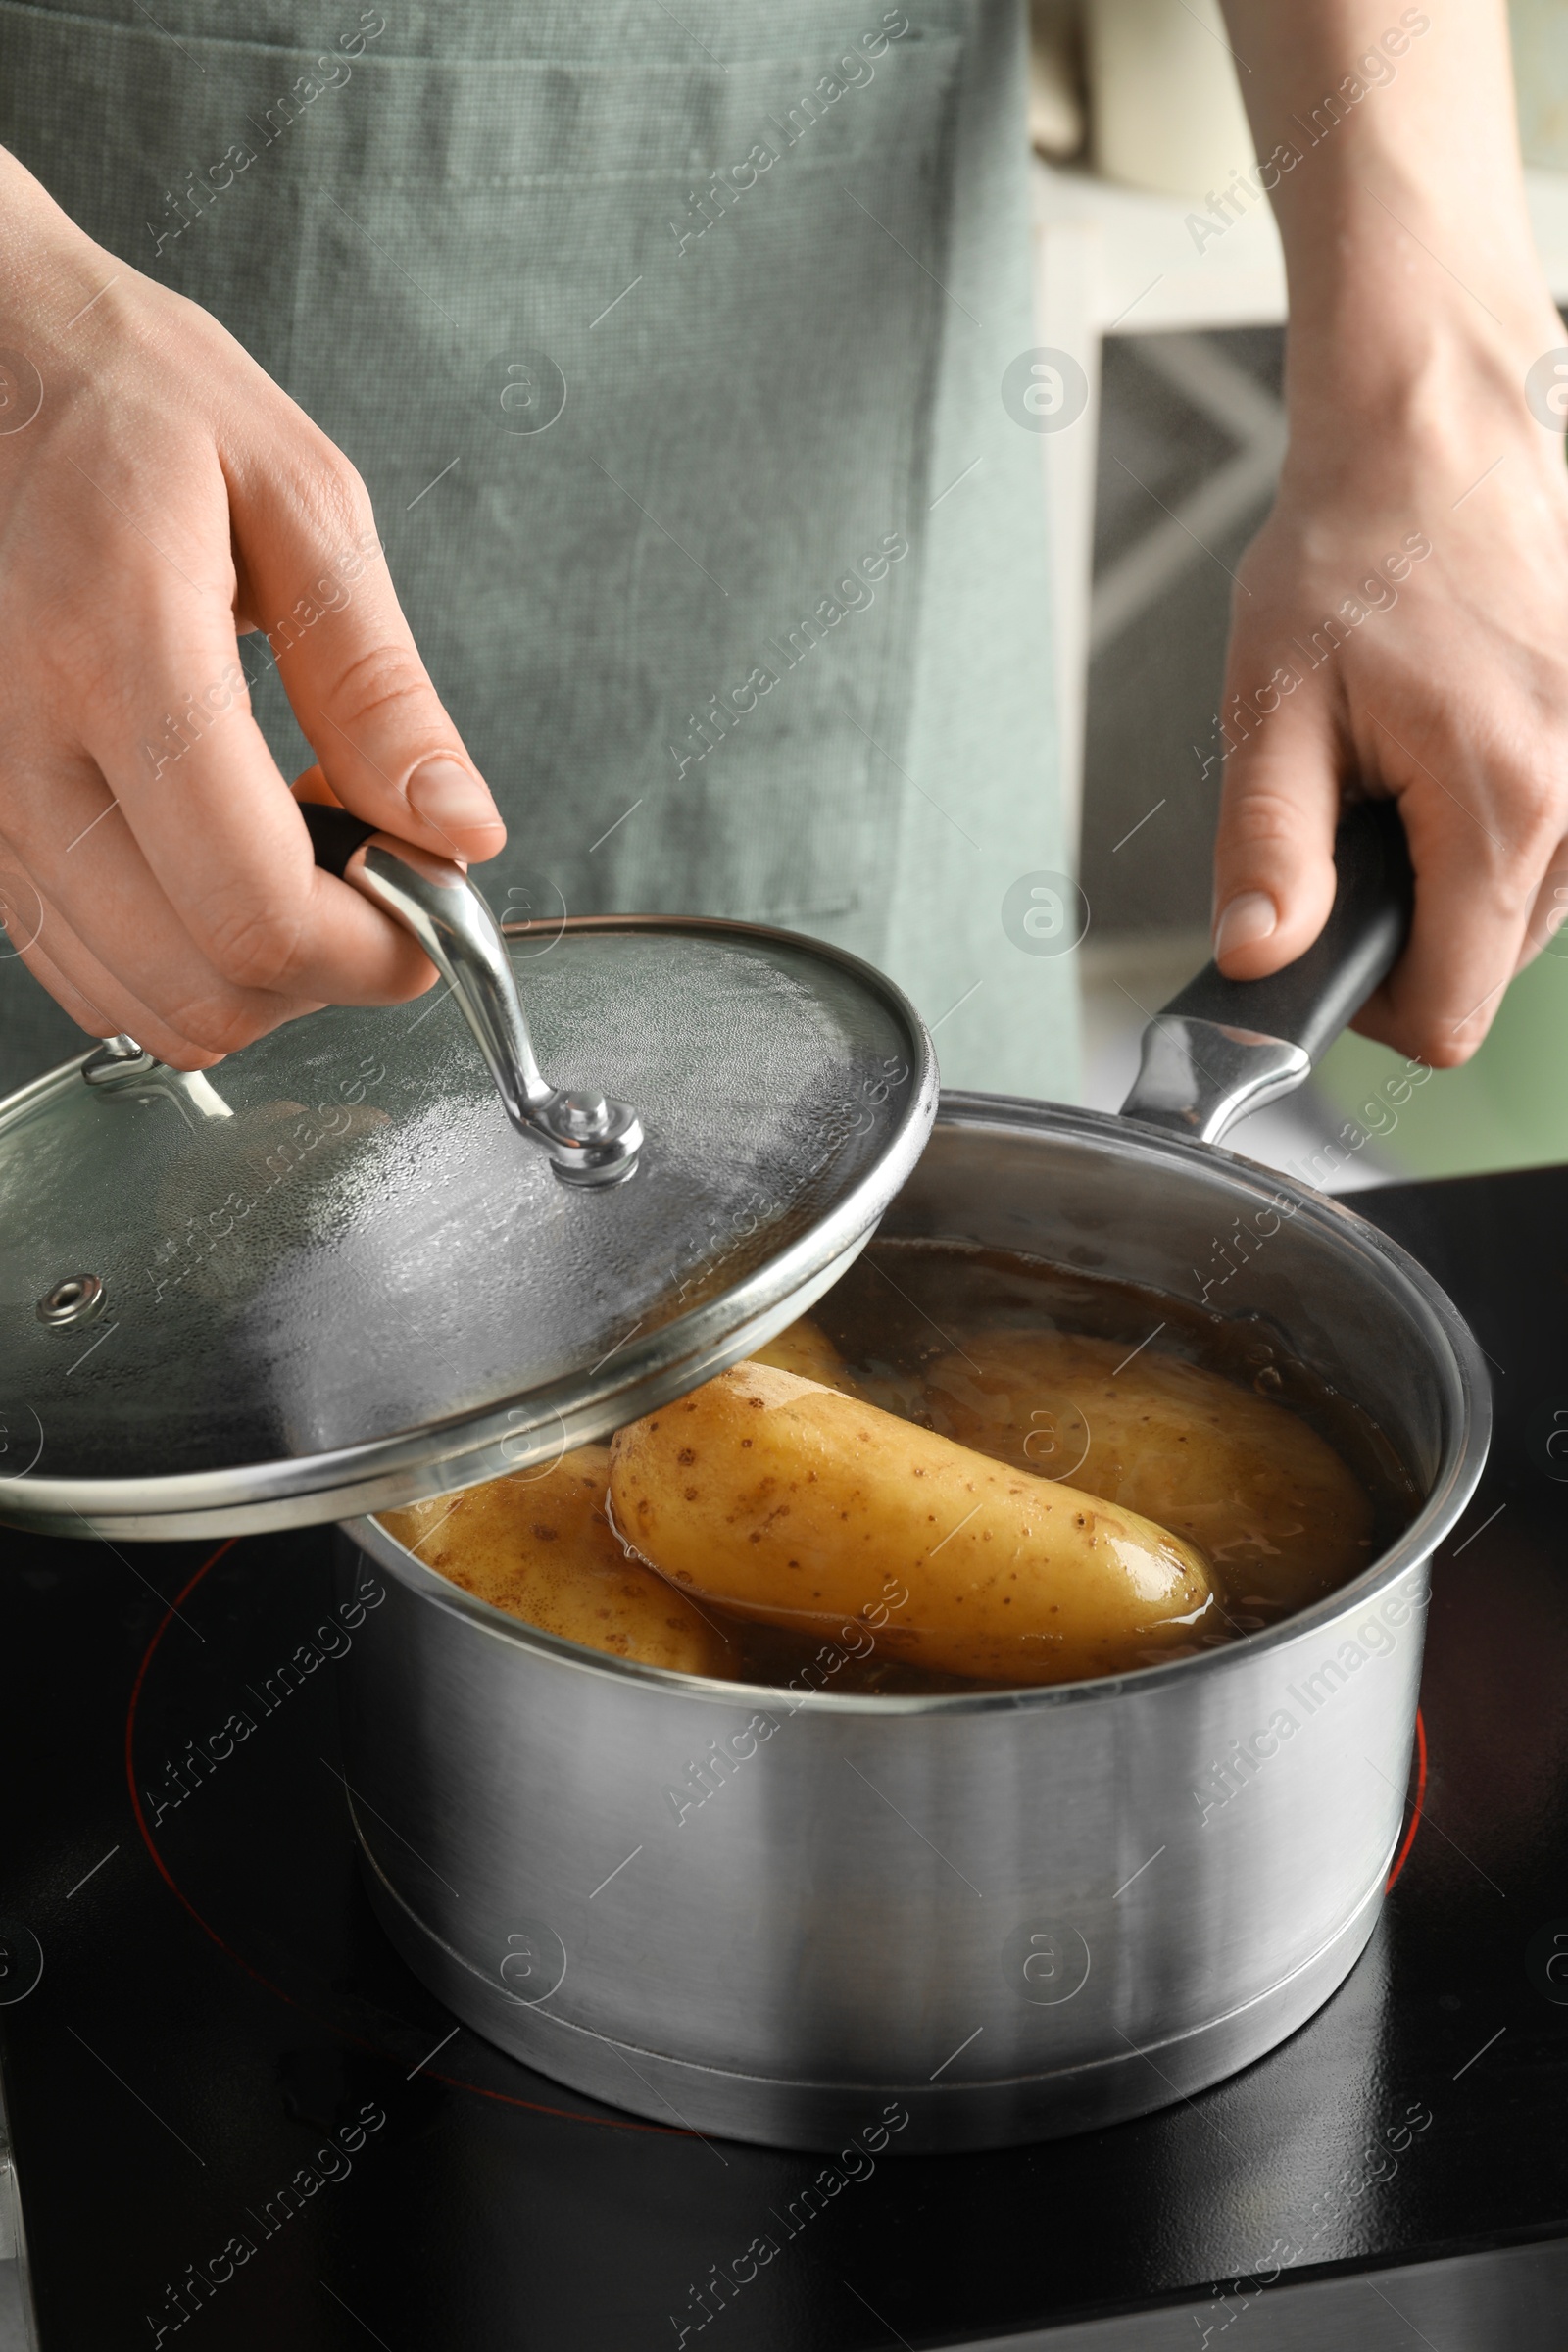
(1274,874)
(347,657)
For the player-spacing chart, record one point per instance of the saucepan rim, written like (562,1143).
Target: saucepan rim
(1455,1359)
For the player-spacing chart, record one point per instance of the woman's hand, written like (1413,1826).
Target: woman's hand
(160,495)
(1400,623)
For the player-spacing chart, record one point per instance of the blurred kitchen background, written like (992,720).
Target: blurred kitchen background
(1137,123)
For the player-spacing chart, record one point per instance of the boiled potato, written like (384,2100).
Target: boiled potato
(541,1549)
(788,1502)
(804,1349)
(1248,1483)
(807,1352)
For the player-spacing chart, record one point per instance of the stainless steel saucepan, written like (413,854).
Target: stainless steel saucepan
(790,1916)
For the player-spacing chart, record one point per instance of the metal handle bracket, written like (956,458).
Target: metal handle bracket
(590,1139)
(1221,1049)
(1199,1077)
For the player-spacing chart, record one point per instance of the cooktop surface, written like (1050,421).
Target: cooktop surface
(239,2120)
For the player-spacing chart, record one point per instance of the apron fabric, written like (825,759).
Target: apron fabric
(670,353)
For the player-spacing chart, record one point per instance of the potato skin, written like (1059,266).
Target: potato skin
(1264,1498)
(542,1550)
(788,1502)
(806,1350)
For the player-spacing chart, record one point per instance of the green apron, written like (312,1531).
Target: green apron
(670,349)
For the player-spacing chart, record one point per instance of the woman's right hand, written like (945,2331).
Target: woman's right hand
(160,497)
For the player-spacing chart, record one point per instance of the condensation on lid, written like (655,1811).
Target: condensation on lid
(362,1248)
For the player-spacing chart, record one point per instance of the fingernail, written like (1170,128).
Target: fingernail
(451,798)
(1245,920)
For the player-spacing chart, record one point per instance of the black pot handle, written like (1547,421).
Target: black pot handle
(336,834)
(1222,1049)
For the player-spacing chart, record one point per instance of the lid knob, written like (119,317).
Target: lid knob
(585,1114)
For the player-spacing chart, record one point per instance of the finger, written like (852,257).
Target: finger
(226,901)
(1550,912)
(89,1017)
(87,1014)
(1274,855)
(345,653)
(21,907)
(94,997)
(1475,890)
(111,927)
(21,912)
(44,941)
(311,787)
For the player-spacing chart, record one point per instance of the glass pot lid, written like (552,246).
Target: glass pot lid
(330,1275)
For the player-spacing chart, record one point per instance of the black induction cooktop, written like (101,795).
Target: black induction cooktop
(238,2122)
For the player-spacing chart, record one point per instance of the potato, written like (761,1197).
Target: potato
(1248,1484)
(788,1502)
(541,1549)
(804,1349)
(807,1352)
